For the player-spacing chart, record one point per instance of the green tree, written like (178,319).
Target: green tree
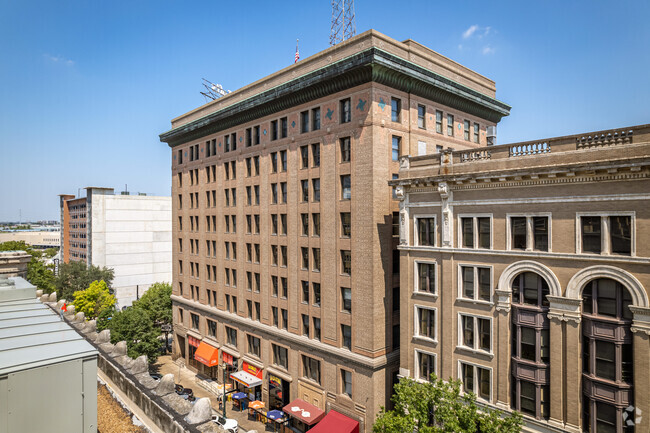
(157,302)
(94,299)
(134,326)
(439,407)
(50,252)
(77,276)
(104,318)
(39,274)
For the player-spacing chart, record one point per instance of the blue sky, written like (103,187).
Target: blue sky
(87,86)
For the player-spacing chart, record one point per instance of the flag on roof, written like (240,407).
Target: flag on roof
(297,53)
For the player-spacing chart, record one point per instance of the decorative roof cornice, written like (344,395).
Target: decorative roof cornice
(372,64)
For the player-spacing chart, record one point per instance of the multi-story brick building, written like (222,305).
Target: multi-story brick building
(525,274)
(130,234)
(284,224)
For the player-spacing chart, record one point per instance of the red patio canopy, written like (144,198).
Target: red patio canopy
(207,354)
(305,412)
(336,422)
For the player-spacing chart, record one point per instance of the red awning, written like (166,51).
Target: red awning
(206,354)
(305,412)
(336,422)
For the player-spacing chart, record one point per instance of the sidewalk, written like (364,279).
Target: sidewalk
(186,378)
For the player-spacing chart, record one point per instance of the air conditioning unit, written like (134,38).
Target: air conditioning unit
(491,135)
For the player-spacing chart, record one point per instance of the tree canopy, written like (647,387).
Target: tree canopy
(94,299)
(134,326)
(39,274)
(77,276)
(157,302)
(439,406)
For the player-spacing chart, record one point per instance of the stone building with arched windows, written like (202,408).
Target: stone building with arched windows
(525,270)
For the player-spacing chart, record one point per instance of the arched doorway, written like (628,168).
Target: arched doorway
(607,357)
(530,350)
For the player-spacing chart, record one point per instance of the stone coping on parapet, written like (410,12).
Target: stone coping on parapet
(408,50)
(621,147)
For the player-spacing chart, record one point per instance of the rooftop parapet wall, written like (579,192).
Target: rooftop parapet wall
(408,50)
(621,144)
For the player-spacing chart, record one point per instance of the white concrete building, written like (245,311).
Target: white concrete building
(129,233)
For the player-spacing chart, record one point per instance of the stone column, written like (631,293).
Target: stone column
(565,368)
(641,344)
(502,298)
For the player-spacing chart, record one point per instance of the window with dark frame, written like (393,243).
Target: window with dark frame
(422,114)
(304,122)
(346,224)
(426,277)
(346,188)
(396,147)
(346,382)
(426,322)
(346,299)
(345,149)
(426,365)
(315,154)
(439,121)
(395,109)
(450,125)
(346,262)
(311,368)
(426,231)
(315,119)
(476,232)
(476,283)
(346,110)
(346,336)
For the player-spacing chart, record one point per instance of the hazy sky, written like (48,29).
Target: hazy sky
(87,86)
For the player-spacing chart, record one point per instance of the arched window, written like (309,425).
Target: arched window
(607,357)
(530,345)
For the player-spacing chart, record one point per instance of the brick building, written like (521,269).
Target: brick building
(525,274)
(130,234)
(284,225)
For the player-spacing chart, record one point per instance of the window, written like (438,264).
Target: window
(316,187)
(274,130)
(315,154)
(231,336)
(285,318)
(530,344)
(346,189)
(274,193)
(304,185)
(426,322)
(304,218)
(315,119)
(280,355)
(316,296)
(316,257)
(426,365)
(426,277)
(395,109)
(274,162)
(285,286)
(346,382)
(450,125)
(305,325)
(283,190)
(476,131)
(439,121)
(346,299)
(529,233)
(422,114)
(593,231)
(475,333)
(476,283)
(283,127)
(276,320)
(253,345)
(346,224)
(346,336)
(346,110)
(396,147)
(475,232)
(316,222)
(304,121)
(304,156)
(274,224)
(311,368)
(346,262)
(195,321)
(212,328)
(283,224)
(426,234)
(283,253)
(256,135)
(316,335)
(283,159)
(477,380)
(305,292)
(345,149)
(274,285)
(249,137)
(466,130)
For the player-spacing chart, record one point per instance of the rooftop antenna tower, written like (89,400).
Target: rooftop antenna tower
(213,91)
(343,25)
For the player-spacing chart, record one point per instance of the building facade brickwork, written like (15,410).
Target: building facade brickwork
(285,227)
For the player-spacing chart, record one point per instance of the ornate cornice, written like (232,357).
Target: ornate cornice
(372,64)
(503,300)
(641,321)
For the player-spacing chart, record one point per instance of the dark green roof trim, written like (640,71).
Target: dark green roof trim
(369,65)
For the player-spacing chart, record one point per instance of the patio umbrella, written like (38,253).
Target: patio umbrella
(239,395)
(274,414)
(256,404)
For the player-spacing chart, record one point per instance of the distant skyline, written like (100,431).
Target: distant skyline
(87,87)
